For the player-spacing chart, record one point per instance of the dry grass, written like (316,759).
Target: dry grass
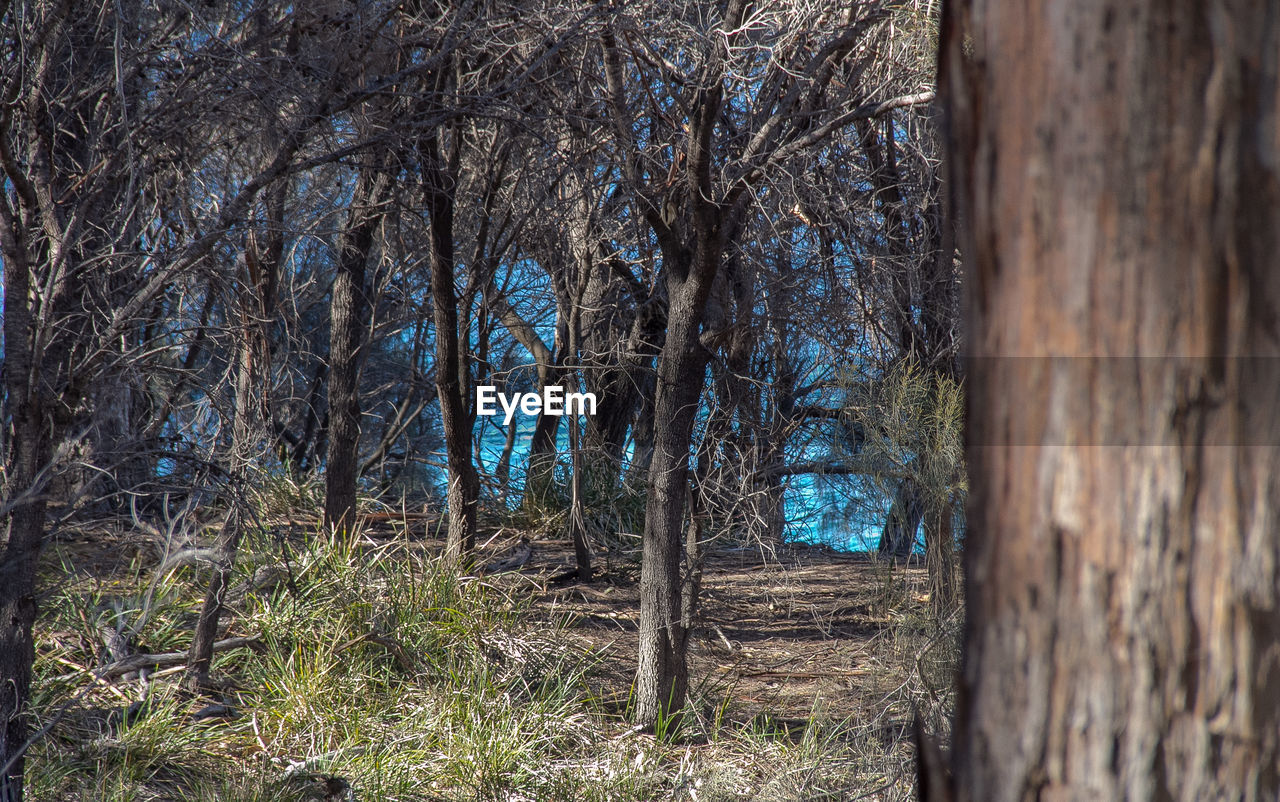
(381,675)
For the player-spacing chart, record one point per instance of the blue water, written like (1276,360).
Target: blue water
(845,513)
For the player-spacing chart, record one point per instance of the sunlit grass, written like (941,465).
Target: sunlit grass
(380,674)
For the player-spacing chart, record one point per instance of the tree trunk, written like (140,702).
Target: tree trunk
(689,270)
(452,384)
(898,538)
(42,389)
(306,450)
(502,473)
(350,310)
(540,473)
(577,505)
(1119,166)
(662,675)
(642,431)
(940,559)
(540,470)
(606,431)
(257,307)
(28,454)
(228,541)
(775,512)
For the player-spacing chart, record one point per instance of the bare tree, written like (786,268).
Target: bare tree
(106,131)
(257,283)
(452,384)
(742,115)
(248,238)
(1117,166)
(351,310)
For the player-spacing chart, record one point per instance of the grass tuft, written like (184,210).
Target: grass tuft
(380,674)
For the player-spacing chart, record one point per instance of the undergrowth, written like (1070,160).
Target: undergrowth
(377,673)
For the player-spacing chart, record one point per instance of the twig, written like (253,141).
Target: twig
(257,734)
(727,644)
(390,644)
(140,661)
(627,733)
(299,766)
(805,674)
(86,670)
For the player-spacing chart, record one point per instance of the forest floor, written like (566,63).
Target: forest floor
(806,668)
(785,635)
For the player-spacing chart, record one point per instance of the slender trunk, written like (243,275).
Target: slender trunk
(539,481)
(302,457)
(540,469)
(28,454)
(502,473)
(606,431)
(540,474)
(577,518)
(38,395)
(940,559)
(1118,166)
(662,674)
(775,520)
(898,538)
(228,541)
(691,584)
(451,383)
(350,310)
(642,431)
(257,306)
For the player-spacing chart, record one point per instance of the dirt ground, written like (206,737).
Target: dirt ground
(790,635)
(799,633)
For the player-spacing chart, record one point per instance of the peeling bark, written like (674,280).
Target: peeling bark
(1119,166)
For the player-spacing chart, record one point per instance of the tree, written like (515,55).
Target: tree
(1118,167)
(452,382)
(257,283)
(120,115)
(736,117)
(351,309)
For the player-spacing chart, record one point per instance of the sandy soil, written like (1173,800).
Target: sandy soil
(787,635)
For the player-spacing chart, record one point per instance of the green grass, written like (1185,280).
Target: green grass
(384,669)
(380,666)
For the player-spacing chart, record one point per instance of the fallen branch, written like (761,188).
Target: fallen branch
(727,643)
(138,662)
(305,765)
(856,672)
(513,560)
(390,644)
(86,670)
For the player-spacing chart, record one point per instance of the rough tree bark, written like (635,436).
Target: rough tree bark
(1119,166)
(662,674)
(31,406)
(451,383)
(350,311)
(257,306)
(939,558)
